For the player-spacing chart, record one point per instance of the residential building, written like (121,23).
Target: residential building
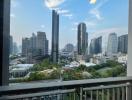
(123,44)
(96,46)
(82,39)
(25,46)
(35,47)
(42,44)
(11,44)
(112,44)
(15,48)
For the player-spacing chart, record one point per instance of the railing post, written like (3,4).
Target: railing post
(97,94)
(123,93)
(81,93)
(113,94)
(128,91)
(108,94)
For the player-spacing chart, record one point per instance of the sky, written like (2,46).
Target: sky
(101,17)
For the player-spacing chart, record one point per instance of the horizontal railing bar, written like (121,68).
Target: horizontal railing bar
(106,87)
(76,83)
(37,94)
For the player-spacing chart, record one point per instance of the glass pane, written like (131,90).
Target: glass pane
(62,40)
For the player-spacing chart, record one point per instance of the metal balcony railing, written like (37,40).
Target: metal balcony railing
(94,89)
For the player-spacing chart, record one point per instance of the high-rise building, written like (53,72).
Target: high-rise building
(35,47)
(25,46)
(123,43)
(42,44)
(92,46)
(96,45)
(112,44)
(15,48)
(33,44)
(82,39)
(11,44)
(55,37)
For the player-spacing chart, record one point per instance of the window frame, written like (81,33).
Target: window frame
(4,41)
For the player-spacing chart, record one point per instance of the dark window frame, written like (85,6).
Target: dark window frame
(4,41)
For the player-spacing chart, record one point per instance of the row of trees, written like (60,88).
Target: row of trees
(115,69)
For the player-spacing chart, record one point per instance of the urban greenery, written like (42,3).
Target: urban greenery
(48,71)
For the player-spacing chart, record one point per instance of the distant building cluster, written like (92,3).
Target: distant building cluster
(14,49)
(116,49)
(115,45)
(35,47)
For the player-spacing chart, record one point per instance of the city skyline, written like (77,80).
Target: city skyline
(96,16)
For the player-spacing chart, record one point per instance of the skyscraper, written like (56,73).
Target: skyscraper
(15,48)
(82,39)
(35,47)
(25,46)
(55,37)
(92,46)
(112,44)
(42,44)
(11,44)
(123,43)
(96,45)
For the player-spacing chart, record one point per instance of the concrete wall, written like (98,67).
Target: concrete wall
(129,69)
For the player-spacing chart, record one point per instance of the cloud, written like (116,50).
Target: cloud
(42,26)
(53,3)
(61,11)
(91,24)
(92,1)
(75,23)
(12,15)
(74,29)
(69,15)
(96,11)
(14,3)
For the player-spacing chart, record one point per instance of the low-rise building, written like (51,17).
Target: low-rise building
(20,70)
(122,59)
